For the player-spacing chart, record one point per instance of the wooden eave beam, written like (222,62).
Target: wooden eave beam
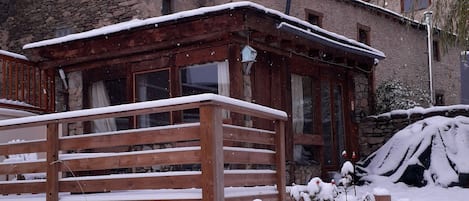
(137,41)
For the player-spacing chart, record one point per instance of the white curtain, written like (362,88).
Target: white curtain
(100,98)
(223,74)
(142,82)
(297,103)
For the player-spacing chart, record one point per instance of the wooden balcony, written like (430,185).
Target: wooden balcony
(209,160)
(24,86)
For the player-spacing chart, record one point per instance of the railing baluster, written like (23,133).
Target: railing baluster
(2,90)
(52,185)
(211,141)
(280,158)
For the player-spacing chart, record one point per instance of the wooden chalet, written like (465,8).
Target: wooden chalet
(242,50)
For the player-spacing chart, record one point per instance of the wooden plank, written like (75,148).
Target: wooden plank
(264,197)
(258,179)
(211,140)
(306,139)
(280,159)
(244,157)
(52,185)
(20,168)
(10,81)
(243,134)
(23,147)
(132,160)
(131,137)
(26,187)
(149,182)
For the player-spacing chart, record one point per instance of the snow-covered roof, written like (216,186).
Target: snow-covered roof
(132,24)
(14,55)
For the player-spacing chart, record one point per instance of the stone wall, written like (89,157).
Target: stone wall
(375,131)
(29,20)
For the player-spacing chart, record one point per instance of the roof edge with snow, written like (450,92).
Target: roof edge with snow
(136,23)
(14,55)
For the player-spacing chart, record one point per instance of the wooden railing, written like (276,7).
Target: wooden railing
(219,155)
(24,86)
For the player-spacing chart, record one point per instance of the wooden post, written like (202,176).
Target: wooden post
(211,142)
(52,188)
(280,159)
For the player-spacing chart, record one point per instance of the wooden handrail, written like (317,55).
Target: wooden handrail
(209,151)
(141,108)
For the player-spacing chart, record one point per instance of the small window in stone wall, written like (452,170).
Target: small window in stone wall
(436,51)
(166,7)
(314,17)
(363,34)
(439,99)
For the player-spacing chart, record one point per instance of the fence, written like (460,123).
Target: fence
(24,86)
(221,155)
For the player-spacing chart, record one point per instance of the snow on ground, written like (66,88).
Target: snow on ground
(403,192)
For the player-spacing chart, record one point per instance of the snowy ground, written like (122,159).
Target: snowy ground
(403,192)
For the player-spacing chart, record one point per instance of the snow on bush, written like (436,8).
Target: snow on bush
(431,151)
(395,95)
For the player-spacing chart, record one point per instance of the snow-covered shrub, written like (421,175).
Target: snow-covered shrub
(395,95)
(431,151)
(315,190)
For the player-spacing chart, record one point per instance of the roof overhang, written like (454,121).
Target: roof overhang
(350,48)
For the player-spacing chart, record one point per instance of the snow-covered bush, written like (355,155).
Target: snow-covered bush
(395,95)
(431,151)
(315,190)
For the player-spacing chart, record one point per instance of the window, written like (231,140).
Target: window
(166,7)
(413,5)
(106,93)
(303,117)
(152,86)
(363,34)
(436,50)
(314,17)
(206,78)
(439,99)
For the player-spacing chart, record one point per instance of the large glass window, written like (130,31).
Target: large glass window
(152,86)
(106,93)
(303,115)
(206,78)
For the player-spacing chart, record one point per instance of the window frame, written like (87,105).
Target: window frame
(319,15)
(367,30)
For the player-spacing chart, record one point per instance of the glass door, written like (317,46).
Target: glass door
(333,124)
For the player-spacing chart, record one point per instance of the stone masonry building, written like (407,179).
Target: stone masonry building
(403,40)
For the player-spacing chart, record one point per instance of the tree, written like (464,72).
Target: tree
(453,17)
